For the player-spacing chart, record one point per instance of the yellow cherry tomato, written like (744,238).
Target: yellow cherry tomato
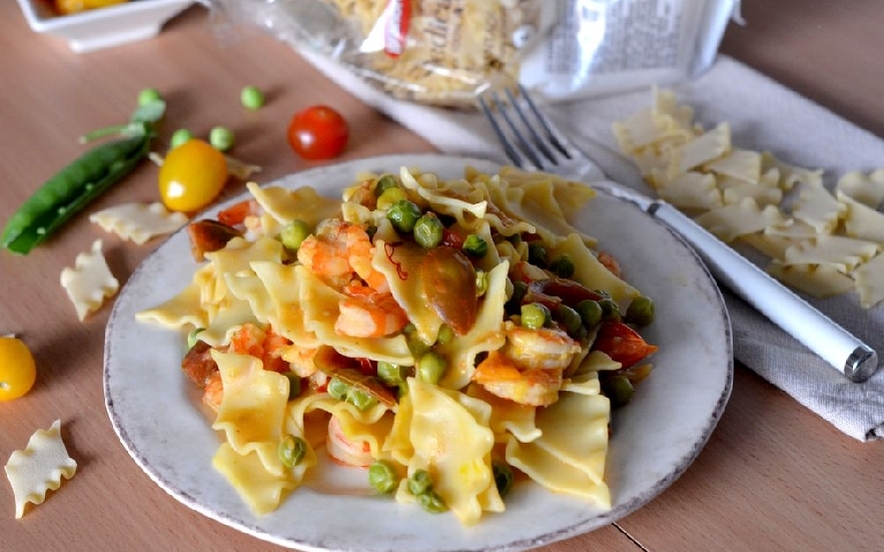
(18,371)
(66,7)
(192,176)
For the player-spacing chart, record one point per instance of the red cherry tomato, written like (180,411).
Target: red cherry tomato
(318,132)
(622,343)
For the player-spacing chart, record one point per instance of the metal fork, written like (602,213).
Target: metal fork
(532,143)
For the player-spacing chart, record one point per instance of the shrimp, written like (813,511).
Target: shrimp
(337,250)
(500,376)
(267,345)
(528,369)
(365,312)
(345,451)
(540,349)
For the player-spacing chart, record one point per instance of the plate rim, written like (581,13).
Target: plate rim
(419,160)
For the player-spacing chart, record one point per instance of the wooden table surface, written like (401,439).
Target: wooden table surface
(774,476)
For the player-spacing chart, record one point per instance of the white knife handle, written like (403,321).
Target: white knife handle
(818,332)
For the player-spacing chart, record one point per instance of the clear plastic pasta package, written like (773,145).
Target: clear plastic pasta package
(442,52)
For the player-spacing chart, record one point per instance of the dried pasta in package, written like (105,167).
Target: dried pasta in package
(443,52)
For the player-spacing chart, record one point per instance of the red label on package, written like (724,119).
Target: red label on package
(398,14)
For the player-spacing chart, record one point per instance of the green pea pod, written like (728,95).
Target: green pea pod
(70,190)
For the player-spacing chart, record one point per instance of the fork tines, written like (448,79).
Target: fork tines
(527,136)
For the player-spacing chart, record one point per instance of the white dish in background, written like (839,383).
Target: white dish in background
(103,27)
(156,411)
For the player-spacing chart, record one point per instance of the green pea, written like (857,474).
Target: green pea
(391,374)
(420,482)
(475,246)
(503,477)
(390,197)
(221,138)
(618,389)
(362,400)
(294,384)
(383,184)
(294,234)
(192,337)
(148,96)
(292,450)
(610,309)
(432,502)
(179,137)
(563,267)
(383,477)
(403,215)
(431,367)
(514,303)
(535,315)
(428,231)
(640,311)
(515,239)
(416,345)
(537,254)
(338,389)
(569,319)
(481,282)
(252,97)
(446,335)
(590,312)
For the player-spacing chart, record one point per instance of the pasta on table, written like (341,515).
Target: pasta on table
(452,337)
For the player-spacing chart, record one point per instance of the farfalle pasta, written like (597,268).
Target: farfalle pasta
(447,336)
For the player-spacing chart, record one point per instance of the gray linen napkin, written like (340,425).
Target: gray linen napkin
(763,116)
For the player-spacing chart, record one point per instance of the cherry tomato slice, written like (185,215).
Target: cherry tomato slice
(449,281)
(318,132)
(622,343)
(192,176)
(18,371)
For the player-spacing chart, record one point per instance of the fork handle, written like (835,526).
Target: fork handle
(850,356)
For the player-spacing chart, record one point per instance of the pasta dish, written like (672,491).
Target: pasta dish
(452,338)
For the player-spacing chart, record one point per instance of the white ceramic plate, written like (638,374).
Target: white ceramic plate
(156,413)
(103,27)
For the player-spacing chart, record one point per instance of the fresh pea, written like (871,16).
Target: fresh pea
(432,502)
(563,267)
(149,95)
(338,389)
(570,319)
(403,215)
(428,231)
(179,137)
(360,399)
(221,138)
(391,374)
(537,254)
(383,184)
(291,450)
(590,312)
(294,234)
(535,315)
(446,335)
(475,246)
(383,477)
(252,97)
(503,477)
(390,197)
(420,482)
(640,311)
(618,389)
(193,337)
(431,367)
(610,309)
